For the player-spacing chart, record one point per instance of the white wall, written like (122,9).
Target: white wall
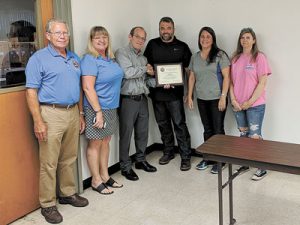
(276,24)
(118,18)
(277,27)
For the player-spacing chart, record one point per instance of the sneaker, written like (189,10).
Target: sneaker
(52,215)
(214,169)
(242,170)
(166,158)
(202,165)
(185,164)
(259,174)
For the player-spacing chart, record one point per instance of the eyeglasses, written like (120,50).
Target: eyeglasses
(139,38)
(59,34)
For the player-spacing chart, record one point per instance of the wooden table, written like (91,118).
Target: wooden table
(271,155)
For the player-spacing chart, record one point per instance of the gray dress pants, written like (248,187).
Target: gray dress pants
(134,115)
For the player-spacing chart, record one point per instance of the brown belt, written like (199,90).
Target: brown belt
(58,105)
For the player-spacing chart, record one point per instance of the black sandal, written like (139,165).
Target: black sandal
(110,183)
(100,188)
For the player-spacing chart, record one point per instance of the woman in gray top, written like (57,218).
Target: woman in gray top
(209,73)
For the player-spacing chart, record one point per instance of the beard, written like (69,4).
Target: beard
(166,37)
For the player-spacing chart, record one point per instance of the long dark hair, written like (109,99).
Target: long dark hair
(215,50)
(239,48)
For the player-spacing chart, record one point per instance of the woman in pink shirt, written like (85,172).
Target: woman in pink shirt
(249,72)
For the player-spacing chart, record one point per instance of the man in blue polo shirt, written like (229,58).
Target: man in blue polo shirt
(53,92)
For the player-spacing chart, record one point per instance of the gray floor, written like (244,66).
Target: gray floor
(172,197)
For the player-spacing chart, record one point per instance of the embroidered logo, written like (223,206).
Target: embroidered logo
(75,63)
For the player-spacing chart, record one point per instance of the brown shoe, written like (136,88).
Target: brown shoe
(52,215)
(74,200)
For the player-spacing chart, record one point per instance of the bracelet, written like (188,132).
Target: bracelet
(81,113)
(99,110)
(223,94)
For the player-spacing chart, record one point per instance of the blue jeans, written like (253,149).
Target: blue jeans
(251,119)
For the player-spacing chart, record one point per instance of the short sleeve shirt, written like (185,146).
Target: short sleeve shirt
(158,52)
(57,78)
(108,75)
(209,78)
(245,75)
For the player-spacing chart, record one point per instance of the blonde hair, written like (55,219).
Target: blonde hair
(98,30)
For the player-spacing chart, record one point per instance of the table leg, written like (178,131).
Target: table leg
(231,219)
(220,190)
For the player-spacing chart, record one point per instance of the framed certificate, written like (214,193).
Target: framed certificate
(168,74)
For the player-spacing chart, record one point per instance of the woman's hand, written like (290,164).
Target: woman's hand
(98,121)
(236,106)
(246,105)
(222,103)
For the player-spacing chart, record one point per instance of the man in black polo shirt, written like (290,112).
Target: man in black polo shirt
(168,100)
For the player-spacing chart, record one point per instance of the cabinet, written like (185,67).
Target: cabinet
(19,161)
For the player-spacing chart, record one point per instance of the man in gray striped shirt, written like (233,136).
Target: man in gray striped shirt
(134,103)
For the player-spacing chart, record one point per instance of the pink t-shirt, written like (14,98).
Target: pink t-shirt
(245,76)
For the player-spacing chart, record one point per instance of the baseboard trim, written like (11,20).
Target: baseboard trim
(116,167)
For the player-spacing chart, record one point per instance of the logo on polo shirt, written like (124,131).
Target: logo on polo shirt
(75,63)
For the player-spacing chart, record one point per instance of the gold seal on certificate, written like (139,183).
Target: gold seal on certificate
(168,74)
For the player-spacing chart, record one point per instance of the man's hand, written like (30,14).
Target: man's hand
(150,70)
(82,124)
(185,99)
(190,103)
(40,131)
(168,86)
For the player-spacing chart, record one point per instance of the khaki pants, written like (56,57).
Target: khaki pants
(58,153)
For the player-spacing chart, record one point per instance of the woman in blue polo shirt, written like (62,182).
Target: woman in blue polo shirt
(101,83)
